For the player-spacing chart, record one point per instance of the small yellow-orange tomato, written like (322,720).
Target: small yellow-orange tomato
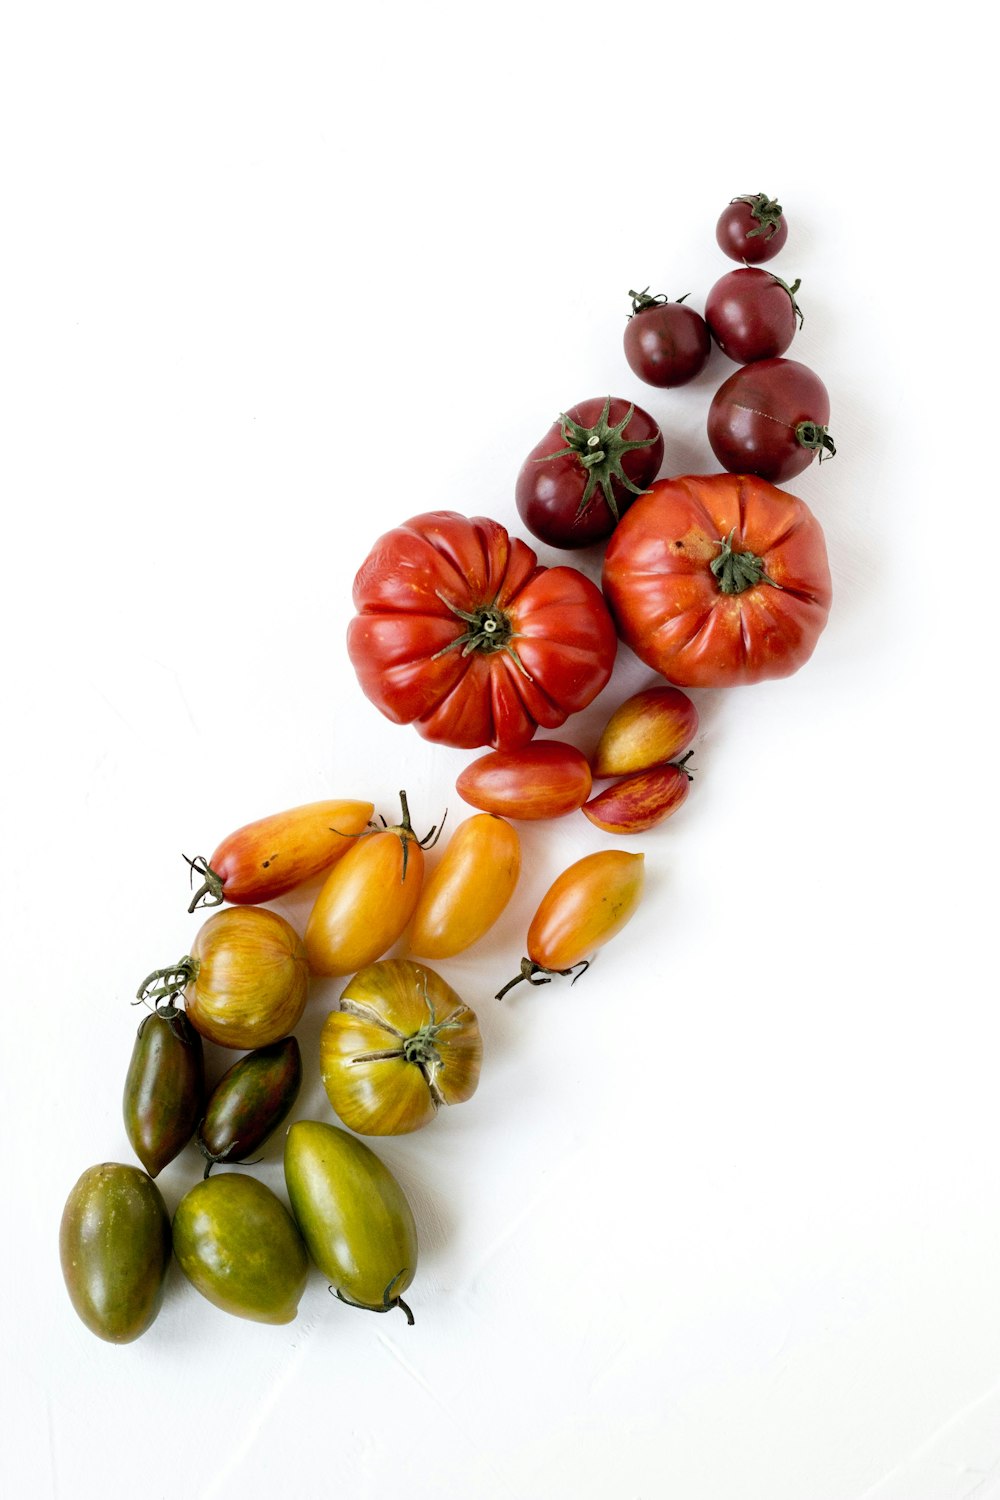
(465,894)
(250,978)
(365,903)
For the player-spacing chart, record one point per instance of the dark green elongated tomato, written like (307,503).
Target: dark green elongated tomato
(164,1088)
(582,909)
(273,855)
(114,1244)
(353,1215)
(245,980)
(249,1102)
(236,1243)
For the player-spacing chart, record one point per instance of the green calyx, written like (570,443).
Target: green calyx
(600,449)
(642,300)
(812,435)
(791,290)
(403,830)
(164,984)
(488,630)
(738,571)
(767,212)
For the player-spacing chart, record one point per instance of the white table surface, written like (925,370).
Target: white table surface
(723,1219)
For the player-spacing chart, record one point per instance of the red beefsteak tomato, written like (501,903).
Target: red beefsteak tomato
(461,632)
(718,579)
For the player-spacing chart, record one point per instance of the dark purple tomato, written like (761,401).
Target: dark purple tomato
(769,419)
(585,472)
(752,228)
(752,314)
(666,343)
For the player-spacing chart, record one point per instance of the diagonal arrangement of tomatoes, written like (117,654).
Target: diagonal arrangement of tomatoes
(713,580)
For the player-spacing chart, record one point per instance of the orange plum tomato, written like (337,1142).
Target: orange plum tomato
(543,780)
(467,891)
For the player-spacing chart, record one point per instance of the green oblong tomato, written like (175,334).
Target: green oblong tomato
(353,1215)
(164,1088)
(114,1245)
(237,1244)
(250,1101)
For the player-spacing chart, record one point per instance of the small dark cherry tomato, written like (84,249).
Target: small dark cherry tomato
(666,343)
(587,469)
(641,801)
(544,780)
(240,1248)
(114,1245)
(752,314)
(249,1102)
(769,419)
(164,1088)
(752,228)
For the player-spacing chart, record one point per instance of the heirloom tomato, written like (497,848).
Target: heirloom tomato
(752,314)
(769,419)
(401,1045)
(353,1214)
(368,898)
(751,228)
(586,470)
(642,800)
(720,579)
(666,343)
(165,1087)
(543,780)
(265,859)
(239,1247)
(582,910)
(244,981)
(465,894)
(647,730)
(249,1102)
(114,1245)
(461,632)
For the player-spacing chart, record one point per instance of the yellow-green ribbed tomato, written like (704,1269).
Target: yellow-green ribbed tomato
(401,1045)
(353,1215)
(236,1243)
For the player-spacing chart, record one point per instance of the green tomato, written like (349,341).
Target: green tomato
(237,1244)
(353,1215)
(114,1244)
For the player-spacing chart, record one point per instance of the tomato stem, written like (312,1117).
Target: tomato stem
(767,212)
(736,571)
(642,300)
(387,1303)
(812,435)
(177,976)
(209,893)
(489,630)
(791,290)
(404,831)
(538,974)
(600,450)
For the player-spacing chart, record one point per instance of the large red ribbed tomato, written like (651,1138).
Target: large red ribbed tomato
(718,579)
(461,631)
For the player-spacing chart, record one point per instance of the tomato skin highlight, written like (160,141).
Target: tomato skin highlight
(770,419)
(544,780)
(668,598)
(250,1101)
(541,644)
(251,980)
(114,1246)
(402,1044)
(353,1214)
(364,905)
(239,1247)
(164,1092)
(585,907)
(639,801)
(273,855)
(469,888)
(647,730)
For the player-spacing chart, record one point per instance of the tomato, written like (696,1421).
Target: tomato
(752,314)
(719,579)
(586,906)
(265,859)
(368,898)
(114,1245)
(641,801)
(544,780)
(465,894)
(770,419)
(752,228)
(237,1244)
(249,1102)
(647,730)
(666,343)
(460,632)
(587,469)
(164,1088)
(401,1045)
(353,1215)
(244,981)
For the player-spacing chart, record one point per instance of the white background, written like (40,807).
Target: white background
(723,1220)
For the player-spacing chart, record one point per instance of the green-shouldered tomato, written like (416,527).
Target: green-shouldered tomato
(249,1102)
(114,1244)
(164,1087)
(237,1244)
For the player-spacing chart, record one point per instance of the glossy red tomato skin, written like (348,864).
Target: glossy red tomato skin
(734,235)
(754,415)
(751,315)
(667,345)
(549,490)
(544,780)
(406,640)
(667,600)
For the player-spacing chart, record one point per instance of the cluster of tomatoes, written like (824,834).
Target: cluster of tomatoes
(712,580)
